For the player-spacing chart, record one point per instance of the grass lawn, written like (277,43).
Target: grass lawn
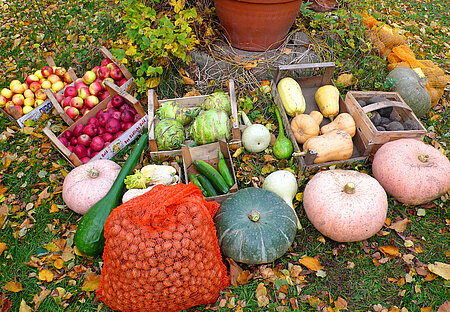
(39,269)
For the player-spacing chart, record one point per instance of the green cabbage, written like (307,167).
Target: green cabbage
(218,100)
(173,109)
(210,126)
(169,134)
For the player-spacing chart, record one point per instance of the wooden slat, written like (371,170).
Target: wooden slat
(58,107)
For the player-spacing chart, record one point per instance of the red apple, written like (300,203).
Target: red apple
(60,72)
(70,91)
(116,73)
(96,88)
(106,61)
(78,130)
(126,125)
(83,92)
(84,139)
(136,118)
(59,97)
(101,130)
(34,86)
(116,115)
(117,101)
(80,151)
(112,125)
(95,70)
(73,141)
(103,118)
(107,137)
(67,134)
(3,101)
(85,110)
(91,101)
(46,71)
(64,141)
(79,83)
(72,112)
(70,148)
(89,77)
(18,99)
(97,143)
(40,94)
(104,95)
(77,102)
(122,81)
(32,78)
(66,101)
(91,130)
(127,115)
(118,134)
(85,159)
(103,73)
(111,66)
(93,121)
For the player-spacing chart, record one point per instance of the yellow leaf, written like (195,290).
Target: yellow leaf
(131,51)
(390,251)
(311,263)
(426,309)
(340,304)
(299,196)
(91,282)
(13,286)
(268,168)
(261,295)
(2,247)
(54,208)
(321,239)
(59,263)
(188,81)
(441,269)
(346,80)
(46,275)
(152,82)
(400,226)
(24,307)
(192,93)
(250,65)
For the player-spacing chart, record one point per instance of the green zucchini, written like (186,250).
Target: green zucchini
(207,185)
(196,182)
(89,238)
(213,175)
(225,171)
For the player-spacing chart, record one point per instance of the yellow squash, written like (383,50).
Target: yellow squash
(303,127)
(332,146)
(344,122)
(291,96)
(327,99)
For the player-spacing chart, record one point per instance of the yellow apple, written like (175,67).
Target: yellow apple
(57,86)
(17,88)
(38,102)
(7,93)
(26,109)
(28,93)
(15,81)
(28,102)
(53,78)
(18,99)
(46,84)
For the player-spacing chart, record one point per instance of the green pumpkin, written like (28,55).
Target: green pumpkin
(255,226)
(412,89)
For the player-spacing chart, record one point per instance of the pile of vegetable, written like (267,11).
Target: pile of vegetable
(206,123)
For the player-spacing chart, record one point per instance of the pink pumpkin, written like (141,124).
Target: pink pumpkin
(411,171)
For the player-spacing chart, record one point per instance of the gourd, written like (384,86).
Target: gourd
(89,238)
(412,89)
(345,205)
(282,148)
(318,117)
(344,122)
(284,184)
(255,137)
(87,184)
(303,127)
(334,145)
(291,96)
(411,171)
(327,99)
(255,226)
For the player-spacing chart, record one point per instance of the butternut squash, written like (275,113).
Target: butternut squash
(318,117)
(332,146)
(344,122)
(327,99)
(303,127)
(291,96)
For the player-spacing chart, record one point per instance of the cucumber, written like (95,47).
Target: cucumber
(213,175)
(207,185)
(196,182)
(89,238)
(225,171)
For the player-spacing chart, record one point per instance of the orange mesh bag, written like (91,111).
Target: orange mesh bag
(161,252)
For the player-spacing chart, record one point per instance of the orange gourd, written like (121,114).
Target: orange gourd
(344,122)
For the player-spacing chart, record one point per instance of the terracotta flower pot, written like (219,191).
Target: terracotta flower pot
(256,25)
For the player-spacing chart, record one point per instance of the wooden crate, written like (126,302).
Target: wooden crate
(19,119)
(190,102)
(310,78)
(371,137)
(118,144)
(126,73)
(210,154)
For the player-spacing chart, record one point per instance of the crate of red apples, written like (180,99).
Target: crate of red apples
(103,130)
(89,90)
(26,100)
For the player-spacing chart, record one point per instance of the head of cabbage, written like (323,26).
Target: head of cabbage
(169,134)
(210,126)
(173,109)
(218,100)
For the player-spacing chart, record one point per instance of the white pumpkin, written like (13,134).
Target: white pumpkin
(87,184)
(345,205)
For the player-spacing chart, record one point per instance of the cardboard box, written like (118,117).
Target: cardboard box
(309,84)
(118,144)
(371,137)
(19,119)
(190,102)
(210,154)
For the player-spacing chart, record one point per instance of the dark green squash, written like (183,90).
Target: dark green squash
(255,226)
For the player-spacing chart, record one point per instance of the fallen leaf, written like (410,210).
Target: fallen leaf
(2,248)
(37,299)
(421,212)
(311,263)
(294,303)
(346,80)
(350,265)
(390,251)
(441,269)
(13,286)
(426,309)
(400,226)
(91,282)
(24,307)
(321,273)
(261,295)
(321,239)
(46,275)
(340,304)
(445,307)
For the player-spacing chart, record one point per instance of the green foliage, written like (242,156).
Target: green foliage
(154,36)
